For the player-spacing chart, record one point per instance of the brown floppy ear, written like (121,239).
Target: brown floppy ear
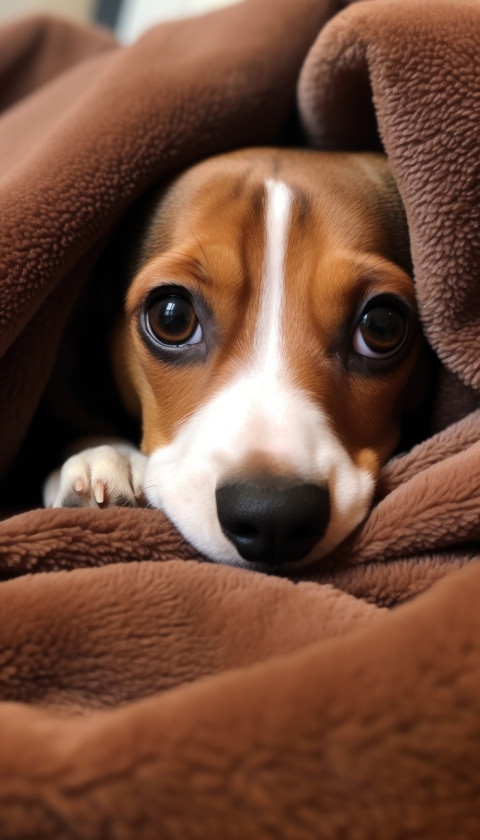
(388,208)
(398,225)
(122,358)
(417,410)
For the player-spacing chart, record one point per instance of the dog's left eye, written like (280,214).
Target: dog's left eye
(173,321)
(381,331)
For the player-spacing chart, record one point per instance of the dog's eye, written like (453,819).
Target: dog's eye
(172,320)
(381,331)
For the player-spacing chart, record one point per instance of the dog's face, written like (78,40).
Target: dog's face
(270,339)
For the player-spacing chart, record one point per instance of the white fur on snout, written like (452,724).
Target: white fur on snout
(253,414)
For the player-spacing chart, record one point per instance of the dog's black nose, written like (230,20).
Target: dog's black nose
(273,520)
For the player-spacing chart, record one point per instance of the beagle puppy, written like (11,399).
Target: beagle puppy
(270,347)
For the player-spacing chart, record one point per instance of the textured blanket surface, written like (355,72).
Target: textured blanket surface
(147,693)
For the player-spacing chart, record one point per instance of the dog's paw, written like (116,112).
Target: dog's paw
(100,477)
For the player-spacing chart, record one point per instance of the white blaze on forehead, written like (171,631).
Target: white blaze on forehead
(268,337)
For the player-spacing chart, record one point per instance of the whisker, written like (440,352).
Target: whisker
(149,486)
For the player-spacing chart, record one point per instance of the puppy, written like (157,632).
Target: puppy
(270,345)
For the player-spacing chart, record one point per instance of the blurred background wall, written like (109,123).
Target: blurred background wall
(129,18)
(76,9)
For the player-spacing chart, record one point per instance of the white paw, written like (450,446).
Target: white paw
(104,476)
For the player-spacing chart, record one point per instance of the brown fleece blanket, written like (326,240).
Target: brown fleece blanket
(145,694)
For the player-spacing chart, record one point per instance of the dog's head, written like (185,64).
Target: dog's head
(270,339)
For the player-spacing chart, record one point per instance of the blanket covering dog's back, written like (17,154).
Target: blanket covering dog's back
(146,693)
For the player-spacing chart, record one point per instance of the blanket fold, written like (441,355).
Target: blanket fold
(144,691)
(335,740)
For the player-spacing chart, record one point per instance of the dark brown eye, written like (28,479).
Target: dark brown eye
(172,320)
(381,331)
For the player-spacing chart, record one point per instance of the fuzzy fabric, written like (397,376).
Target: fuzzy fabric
(144,692)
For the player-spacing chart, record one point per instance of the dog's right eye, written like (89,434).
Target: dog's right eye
(172,321)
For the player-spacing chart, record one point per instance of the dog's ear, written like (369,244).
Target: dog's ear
(397,225)
(417,410)
(122,358)
(388,209)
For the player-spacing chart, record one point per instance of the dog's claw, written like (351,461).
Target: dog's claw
(99,492)
(79,486)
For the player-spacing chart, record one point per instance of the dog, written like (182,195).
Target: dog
(271,346)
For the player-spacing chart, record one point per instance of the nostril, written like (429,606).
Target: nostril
(273,519)
(243,530)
